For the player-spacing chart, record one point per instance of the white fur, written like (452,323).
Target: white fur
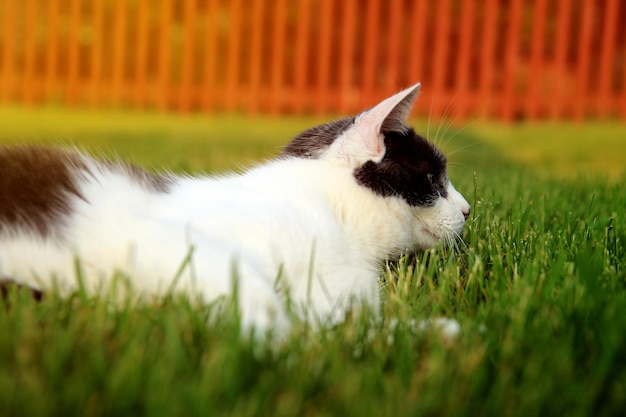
(308,219)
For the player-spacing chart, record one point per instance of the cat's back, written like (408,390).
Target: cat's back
(55,202)
(40,186)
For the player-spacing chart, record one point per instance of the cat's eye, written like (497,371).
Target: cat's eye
(431,177)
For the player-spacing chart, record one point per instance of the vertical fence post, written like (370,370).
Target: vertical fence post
(584,53)
(211,57)
(535,76)
(119,50)
(51,55)
(97,20)
(439,63)
(561,44)
(466,29)
(8,25)
(186,96)
(74,52)
(487,58)
(232,59)
(607,55)
(302,56)
(255,69)
(370,52)
(324,34)
(417,56)
(393,49)
(141,54)
(346,55)
(511,60)
(28,75)
(278,57)
(163,51)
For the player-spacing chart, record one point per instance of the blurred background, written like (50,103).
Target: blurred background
(499,61)
(502,59)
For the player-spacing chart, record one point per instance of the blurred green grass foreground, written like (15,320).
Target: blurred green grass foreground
(539,290)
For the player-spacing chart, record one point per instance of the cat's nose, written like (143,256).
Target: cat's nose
(466,212)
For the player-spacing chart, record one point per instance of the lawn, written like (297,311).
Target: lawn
(540,292)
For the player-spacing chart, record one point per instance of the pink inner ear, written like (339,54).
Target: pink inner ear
(368,129)
(369,123)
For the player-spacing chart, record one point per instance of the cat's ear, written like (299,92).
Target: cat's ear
(391,114)
(364,140)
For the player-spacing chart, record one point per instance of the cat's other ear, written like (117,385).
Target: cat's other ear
(364,140)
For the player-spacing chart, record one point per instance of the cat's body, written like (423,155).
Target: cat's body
(315,224)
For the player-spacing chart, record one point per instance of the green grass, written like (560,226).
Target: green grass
(540,293)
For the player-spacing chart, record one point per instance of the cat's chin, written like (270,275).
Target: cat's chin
(428,239)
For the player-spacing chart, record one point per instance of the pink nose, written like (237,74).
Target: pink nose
(466,213)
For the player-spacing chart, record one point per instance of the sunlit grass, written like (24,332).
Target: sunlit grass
(564,150)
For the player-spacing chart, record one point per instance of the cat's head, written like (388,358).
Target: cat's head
(389,158)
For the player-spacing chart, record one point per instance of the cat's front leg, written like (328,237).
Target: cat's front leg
(244,283)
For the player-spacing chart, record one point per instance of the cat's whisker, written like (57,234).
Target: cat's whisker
(430,115)
(451,138)
(459,240)
(443,120)
(453,240)
(444,136)
(461,149)
(457,164)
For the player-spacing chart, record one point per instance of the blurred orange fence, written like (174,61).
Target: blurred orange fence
(499,59)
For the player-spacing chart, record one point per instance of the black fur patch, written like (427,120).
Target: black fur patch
(412,169)
(311,143)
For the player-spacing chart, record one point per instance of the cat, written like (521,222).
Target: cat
(313,225)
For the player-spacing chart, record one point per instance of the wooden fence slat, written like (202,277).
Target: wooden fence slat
(559,99)
(28,72)
(232,59)
(51,54)
(417,58)
(440,56)
(278,57)
(393,48)
(256,67)
(186,79)
(8,23)
(607,57)
(97,17)
(533,96)
(466,29)
(487,58)
(163,64)
(584,53)
(302,56)
(346,55)
(119,50)
(371,34)
(511,59)
(211,56)
(74,52)
(141,54)
(622,103)
(323,103)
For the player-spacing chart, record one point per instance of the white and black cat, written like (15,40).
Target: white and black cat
(315,223)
